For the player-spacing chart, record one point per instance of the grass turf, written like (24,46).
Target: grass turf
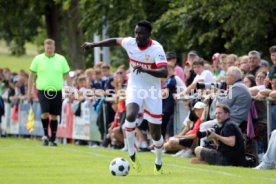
(15,64)
(26,161)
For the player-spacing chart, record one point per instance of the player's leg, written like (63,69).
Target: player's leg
(55,111)
(153,114)
(132,110)
(44,105)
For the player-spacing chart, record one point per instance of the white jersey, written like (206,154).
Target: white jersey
(151,57)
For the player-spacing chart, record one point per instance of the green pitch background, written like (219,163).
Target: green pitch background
(27,161)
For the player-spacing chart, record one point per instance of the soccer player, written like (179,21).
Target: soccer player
(148,64)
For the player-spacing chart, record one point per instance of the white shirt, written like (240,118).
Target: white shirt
(152,57)
(206,76)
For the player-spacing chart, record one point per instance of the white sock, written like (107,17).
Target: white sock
(125,143)
(158,146)
(130,136)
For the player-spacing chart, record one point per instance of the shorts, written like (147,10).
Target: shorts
(187,143)
(213,157)
(50,102)
(152,105)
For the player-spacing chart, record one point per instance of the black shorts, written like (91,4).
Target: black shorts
(50,102)
(186,142)
(213,157)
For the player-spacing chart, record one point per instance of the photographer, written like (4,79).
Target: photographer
(230,143)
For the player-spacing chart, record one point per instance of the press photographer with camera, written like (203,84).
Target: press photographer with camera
(229,140)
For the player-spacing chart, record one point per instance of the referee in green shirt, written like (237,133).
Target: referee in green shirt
(50,70)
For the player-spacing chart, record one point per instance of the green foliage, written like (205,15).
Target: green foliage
(19,23)
(207,26)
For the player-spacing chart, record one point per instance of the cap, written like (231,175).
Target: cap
(199,105)
(171,55)
(192,52)
(264,63)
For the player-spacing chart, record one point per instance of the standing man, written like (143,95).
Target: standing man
(148,64)
(50,70)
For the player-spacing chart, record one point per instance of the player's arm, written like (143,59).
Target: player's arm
(104,43)
(161,72)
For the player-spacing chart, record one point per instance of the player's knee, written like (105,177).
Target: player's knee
(156,136)
(53,117)
(45,115)
(131,117)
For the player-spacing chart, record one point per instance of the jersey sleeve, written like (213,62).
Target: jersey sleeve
(34,65)
(124,42)
(160,57)
(65,66)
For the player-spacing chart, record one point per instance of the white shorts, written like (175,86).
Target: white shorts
(152,105)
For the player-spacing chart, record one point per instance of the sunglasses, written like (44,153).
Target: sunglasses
(119,73)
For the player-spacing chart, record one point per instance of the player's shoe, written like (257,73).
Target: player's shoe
(45,141)
(53,144)
(136,165)
(265,166)
(158,172)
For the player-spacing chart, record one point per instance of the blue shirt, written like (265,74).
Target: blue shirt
(168,103)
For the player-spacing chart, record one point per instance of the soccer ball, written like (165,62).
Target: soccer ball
(119,167)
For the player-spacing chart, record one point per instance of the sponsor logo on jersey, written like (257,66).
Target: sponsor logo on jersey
(162,57)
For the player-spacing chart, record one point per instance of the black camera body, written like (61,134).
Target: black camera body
(207,132)
(218,85)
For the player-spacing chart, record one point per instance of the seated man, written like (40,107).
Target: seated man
(186,138)
(230,143)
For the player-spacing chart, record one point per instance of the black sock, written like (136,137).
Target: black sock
(53,125)
(158,167)
(133,157)
(45,124)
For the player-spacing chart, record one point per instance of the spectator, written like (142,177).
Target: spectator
(105,69)
(260,85)
(254,62)
(249,80)
(201,75)
(264,65)
(172,58)
(244,64)
(231,60)
(230,143)
(184,140)
(238,97)
(169,88)
(188,70)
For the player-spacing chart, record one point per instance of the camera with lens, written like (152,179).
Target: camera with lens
(218,85)
(207,132)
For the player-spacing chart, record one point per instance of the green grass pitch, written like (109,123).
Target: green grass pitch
(27,161)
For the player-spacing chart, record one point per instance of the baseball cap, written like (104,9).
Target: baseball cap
(192,52)
(171,55)
(264,63)
(199,105)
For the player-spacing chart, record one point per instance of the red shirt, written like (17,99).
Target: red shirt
(196,127)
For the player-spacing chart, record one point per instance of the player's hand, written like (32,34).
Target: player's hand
(138,69)
(29,98)
(87,45)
